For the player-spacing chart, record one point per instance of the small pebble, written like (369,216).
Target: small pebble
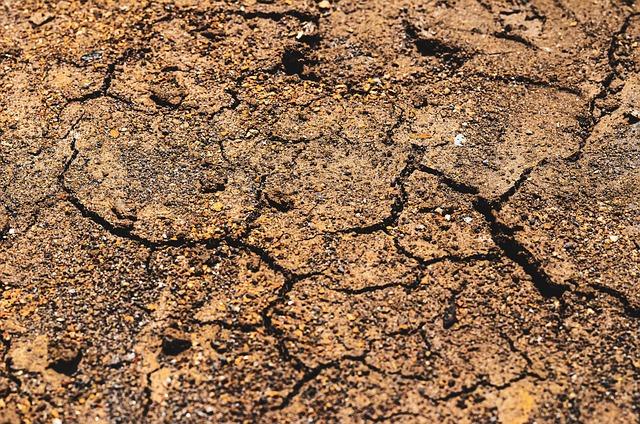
(39,19)
(459,140)
(94,55)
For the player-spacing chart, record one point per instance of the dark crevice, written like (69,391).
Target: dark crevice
(450,55)
(586,125)
(148,401)
(126,232)
(6,347)
(514,349)
(399,203)
(503,237)
(486,5)
(391,130)
(107,80)
(506,35)
(632,117)
(294,62)
(38,24)
(629,310)
(104,88)
(235,100)
(290,279)
(162,102)
(482,381)
(86,97)
(312,374)
(282,140)
(423,264)
(565,10)
(524,176)
(211,35)
(265,258)
(68,366)
(450,316)
(590,123)
(309,376)
(172,345)
(281,205)
(448,181)
(270,329)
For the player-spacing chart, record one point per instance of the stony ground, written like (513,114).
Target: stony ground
(333,211)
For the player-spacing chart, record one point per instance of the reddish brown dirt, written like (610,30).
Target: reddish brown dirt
(337,211)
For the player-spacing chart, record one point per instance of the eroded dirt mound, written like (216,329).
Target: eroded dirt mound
(319,211)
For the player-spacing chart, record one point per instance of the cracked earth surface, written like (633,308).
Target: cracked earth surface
(301,211)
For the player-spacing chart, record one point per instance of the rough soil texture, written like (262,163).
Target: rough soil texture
(299,211)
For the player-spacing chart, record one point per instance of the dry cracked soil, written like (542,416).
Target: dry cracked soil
(319,211)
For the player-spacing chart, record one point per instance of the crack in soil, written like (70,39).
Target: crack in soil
(590,124)
(312,374)
(502,235)
(399,203)
(431,49)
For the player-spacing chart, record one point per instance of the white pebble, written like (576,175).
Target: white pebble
(459,140)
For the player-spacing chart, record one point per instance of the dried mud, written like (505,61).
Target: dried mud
(336,211)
